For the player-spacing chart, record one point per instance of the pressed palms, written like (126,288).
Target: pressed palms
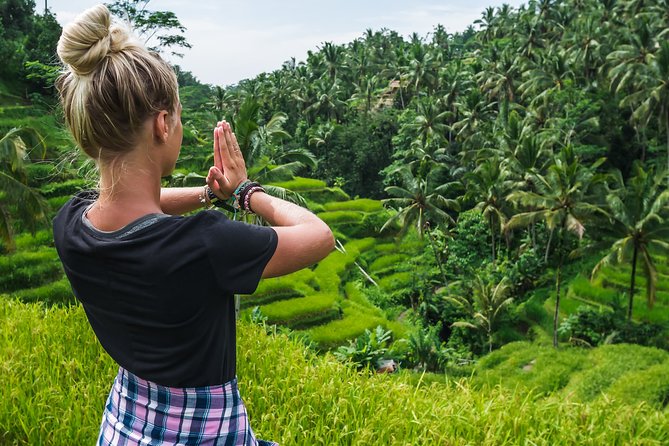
(565,198)
(637,228)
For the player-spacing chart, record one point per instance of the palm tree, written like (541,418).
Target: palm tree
(488,186)
(486,305)
(497,79)
(420,202)
(565,199)
(430,123)
(651,93)
(333,56)
(15,194)
(637,227)
(550,76)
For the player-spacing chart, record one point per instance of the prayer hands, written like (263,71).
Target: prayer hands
(229,169)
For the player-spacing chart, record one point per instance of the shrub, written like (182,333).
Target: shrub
(649,386)
(582,287)
(28,269)
(397,281)
(56,203)
(28,241)
(388,261)
(302,312)
(367,349)
(609,364)
(54,293)
(69,187)
(529,366)
(337,332)
(30,276)
(40,173)
(299,184)
(325,195)
(341,217)
(469,248)
(360,205)
(281,288)
(596,327)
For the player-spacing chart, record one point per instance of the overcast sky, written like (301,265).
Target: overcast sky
(238,40)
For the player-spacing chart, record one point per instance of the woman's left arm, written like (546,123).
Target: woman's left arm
(180,200)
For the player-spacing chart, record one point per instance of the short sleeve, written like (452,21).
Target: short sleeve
(238,251)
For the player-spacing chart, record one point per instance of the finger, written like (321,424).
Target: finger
(222,149)
(235,146)
(216,180)
(231,155)
(217,151)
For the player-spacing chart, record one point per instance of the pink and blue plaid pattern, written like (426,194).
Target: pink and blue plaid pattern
(139,412)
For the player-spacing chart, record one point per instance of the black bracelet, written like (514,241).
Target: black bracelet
(245,195)
(218,202)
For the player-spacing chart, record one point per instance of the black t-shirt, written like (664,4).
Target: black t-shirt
(159,292)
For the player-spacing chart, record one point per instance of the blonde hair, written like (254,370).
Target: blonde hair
(111,84)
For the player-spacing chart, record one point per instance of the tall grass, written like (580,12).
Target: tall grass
(54,379)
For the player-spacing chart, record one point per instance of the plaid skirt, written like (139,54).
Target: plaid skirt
(140,412)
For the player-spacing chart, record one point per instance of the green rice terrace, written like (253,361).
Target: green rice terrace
(500,204)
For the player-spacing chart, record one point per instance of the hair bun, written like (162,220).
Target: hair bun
(87,40)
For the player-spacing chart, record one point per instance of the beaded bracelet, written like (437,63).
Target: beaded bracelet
(247,197)
(238,193)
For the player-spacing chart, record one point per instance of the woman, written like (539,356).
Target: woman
(157,287)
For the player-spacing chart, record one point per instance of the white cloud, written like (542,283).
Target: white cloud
(237,40)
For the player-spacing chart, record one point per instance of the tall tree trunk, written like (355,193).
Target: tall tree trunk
(632,284)
(558,278)
(548,245)
(436,255)
(556,316)
(666,128)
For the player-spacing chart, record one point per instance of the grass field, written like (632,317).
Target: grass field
(54,378)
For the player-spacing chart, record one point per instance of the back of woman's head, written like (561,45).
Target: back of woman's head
(111,84)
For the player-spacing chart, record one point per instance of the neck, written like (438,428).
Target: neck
(129,189)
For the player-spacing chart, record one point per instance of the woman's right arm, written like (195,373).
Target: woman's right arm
(303,238)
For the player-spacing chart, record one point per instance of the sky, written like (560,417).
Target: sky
(239,40)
